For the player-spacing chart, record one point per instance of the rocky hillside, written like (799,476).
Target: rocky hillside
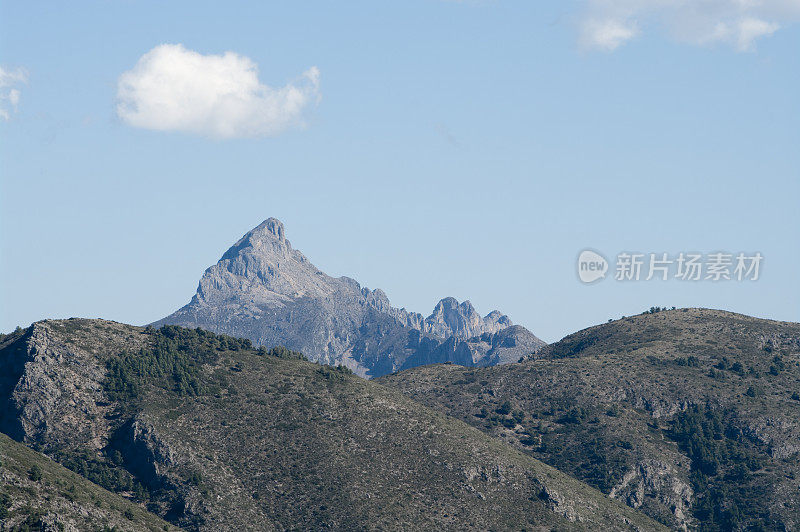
(265,290)
(38,494)
(691,416)
(212,434)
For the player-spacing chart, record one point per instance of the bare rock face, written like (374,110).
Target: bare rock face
(451,318)
(658,480)
(267,291)
(42,391)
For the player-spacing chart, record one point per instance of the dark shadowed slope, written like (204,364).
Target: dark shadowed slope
(37,493)
(691,416)
(265,290)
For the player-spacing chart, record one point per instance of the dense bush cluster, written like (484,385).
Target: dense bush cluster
(32,522)
(35,473)
(565,435)
(656,310)
(724,471)
(335,373)
(281,352)
(115,479)
(173,361)
(690,361)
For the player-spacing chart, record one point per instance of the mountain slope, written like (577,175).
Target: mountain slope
(265,290)
(38,493)
(691,416)
(215,435)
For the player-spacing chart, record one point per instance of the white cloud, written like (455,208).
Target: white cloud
(747,30)
(220,96)
(9,80)
(607,24)
(607,34)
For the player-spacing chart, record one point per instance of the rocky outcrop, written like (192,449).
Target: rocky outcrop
(660,481)
(47,384)
(54,400)
(265,290)
(451,318)
(489,349)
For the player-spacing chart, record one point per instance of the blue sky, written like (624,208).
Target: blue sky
(466,149)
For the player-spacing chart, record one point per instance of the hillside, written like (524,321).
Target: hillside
(37,493)
(212,434)
(691,416)
(265,290)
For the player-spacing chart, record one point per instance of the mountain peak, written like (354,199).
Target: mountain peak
(272,226)
(265,290)
(267,237)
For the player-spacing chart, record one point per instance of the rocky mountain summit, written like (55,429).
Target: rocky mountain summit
(265,290)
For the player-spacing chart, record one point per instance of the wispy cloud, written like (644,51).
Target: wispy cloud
(10,81)
(607,33)
(220,96)
(608,24)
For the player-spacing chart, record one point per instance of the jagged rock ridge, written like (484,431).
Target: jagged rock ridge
(265,290)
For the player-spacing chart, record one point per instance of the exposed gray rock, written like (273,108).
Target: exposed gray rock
(267,291)
(660,481)
(451,318)
(52,383)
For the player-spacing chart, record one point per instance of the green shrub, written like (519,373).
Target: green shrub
(508,422)
(334,373)
(195,478)
(35,473)
(282,352)
(504,408)
(778,365)
(5,502)
(691,361)
(575,415)
(32,521)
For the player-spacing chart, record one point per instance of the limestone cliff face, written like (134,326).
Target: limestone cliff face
(265,290)
(451,318)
